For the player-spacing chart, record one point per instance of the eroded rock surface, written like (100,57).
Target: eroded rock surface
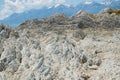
(61,48)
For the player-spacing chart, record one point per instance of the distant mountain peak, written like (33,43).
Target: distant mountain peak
(58,5)
(88,2)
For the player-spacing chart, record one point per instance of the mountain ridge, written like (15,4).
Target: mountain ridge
(15,19)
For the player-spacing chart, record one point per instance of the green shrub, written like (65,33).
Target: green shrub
(116,11)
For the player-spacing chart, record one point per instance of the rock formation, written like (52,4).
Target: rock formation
(83,47)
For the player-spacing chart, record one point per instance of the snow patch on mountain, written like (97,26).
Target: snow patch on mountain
(88,2)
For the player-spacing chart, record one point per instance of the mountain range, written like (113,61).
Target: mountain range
(90,7)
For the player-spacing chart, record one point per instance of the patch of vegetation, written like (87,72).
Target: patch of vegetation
(92,16)
(116,11)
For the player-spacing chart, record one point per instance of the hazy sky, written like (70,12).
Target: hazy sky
(68,1)
(8,7)
(78,1)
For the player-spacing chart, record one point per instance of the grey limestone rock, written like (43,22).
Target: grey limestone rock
(83,47)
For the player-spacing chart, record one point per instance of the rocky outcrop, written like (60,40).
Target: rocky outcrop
(4,31)
(83,47)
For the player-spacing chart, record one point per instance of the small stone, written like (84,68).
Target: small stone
(90,62)
(93,67)
(2,67)
(96,52)
(98,62)
(85,77)
(83,59)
